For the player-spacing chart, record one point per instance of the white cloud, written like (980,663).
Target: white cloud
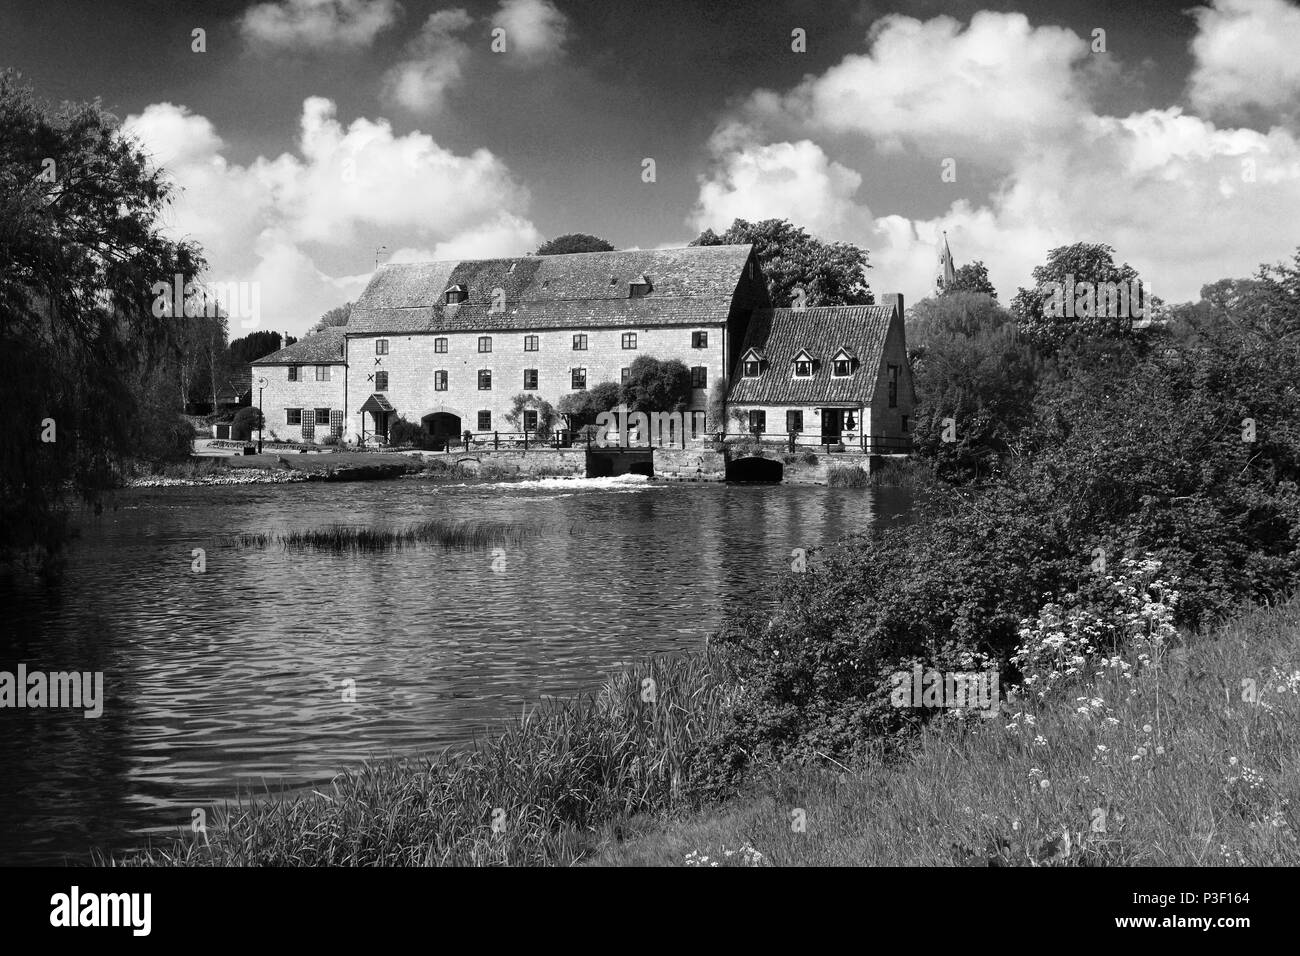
(1182,200)
(535,30)
(1247,55)
(433,64)
(304,224)
(317,24)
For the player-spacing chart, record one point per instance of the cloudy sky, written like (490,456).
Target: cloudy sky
(309,132)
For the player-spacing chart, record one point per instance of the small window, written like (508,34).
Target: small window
(638,287)
(699,377)
(381,381)
(484,379)
(843,368)
(530,378)
(293,373)
(456,294)
(381,346)
(699,340)
(440,380)
(579,378)
(293,416)
(322,416)
(750,370)
(757,421)
(322,373)
(485,421)
(579,342)
(803,369)
(530,343)
(485,343)
(893,386)
(629,340)
(440,345)
(794,422)
(624,375)
(530,419)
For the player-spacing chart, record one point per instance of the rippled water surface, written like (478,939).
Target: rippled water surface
(225,679)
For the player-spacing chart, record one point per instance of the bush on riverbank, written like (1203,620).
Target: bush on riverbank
(543,791)
(442,531)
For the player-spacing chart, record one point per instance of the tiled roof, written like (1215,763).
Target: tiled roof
(821,331)
(320,348)
(693,285)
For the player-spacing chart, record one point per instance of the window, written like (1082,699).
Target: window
(293,416)
(699,377)
(381,381)
(638,287)
(530,343)
(843,367)
(485,343)
(893,386)
(440,380)
(485,421)
(803,369)
(757,420)
(322,373)
(750,370)
(579,378)
(293,373)
(381,346)
(456,294)
(699,340)
(904,423)
(629,340)
(579,342)
(793,422)
(440,345)
(624,375)
(322,416)
(530,420)
(530,378)
(484,379)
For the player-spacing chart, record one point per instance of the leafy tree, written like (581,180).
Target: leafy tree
(581,408)
(830,273)
(972,277)
(1057,281)
(654,385)
(247,420)
(573,242)
(716,413)
(81,247)
(334,317)
(530,401)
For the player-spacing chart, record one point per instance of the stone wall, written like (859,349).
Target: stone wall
(562,461)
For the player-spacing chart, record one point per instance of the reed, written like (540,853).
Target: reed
(449,533)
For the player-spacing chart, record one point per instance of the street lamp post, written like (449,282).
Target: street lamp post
(261,421)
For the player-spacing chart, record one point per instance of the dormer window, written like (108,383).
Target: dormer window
(842,363)
(638,287)
(750,370)
(751,363)
(803,364)
(456,294)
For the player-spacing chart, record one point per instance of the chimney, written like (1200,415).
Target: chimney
(894,300)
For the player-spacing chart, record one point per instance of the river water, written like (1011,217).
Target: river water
(233,678)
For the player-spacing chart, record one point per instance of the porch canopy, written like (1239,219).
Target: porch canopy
(377,403)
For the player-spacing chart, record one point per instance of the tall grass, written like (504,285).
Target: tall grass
(546,790)
(446,532)
(1169,768)
(848,477)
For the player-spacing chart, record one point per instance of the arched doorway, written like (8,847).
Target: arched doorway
(443,426)
(755,469)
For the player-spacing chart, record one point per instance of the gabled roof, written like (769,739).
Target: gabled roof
(843,351)
(803,355)
(756,353)
(377,403)
(320,348)
(690,286)
(782,333)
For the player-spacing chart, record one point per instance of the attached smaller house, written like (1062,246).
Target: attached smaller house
(828,375)
(306,388)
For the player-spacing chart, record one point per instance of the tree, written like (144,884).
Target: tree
(334,317)
(830,273)
(972,277)
(654,385)
(573,242)
(1081,278)
(82,248)
(530,401)
(581,408)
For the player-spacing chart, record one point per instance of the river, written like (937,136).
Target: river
(238,676)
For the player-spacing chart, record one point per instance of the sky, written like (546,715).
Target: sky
(303,135)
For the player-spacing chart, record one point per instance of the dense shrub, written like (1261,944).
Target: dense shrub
(245,422)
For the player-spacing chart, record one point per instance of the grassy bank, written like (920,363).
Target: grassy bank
(442,531)
(1158,762)
(1166,767)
